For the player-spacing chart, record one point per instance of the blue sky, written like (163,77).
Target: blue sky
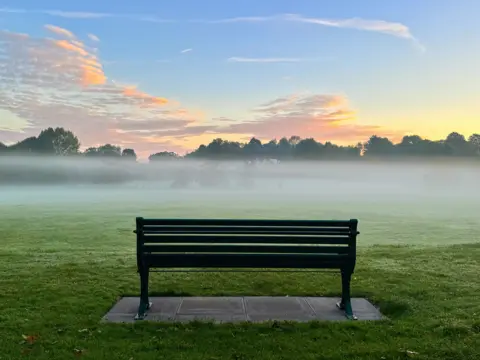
(398,66)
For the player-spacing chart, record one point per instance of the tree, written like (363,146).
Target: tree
(91,152)
(411,145)
(27,145)
(474,141)
(294,140)
(253,149)
(270,149)
(57,141)
(109,150)
(307,149)
(379,146)
(129,154)
(163,155)
(284,148)
(458,144)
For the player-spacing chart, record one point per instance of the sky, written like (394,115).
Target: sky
(158,75)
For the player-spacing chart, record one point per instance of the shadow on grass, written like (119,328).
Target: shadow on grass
(169,293)
(393,309)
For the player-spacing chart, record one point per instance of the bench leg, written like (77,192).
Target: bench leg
(145,303)
(346,304)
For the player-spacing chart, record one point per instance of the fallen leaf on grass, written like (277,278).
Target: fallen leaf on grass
(78,352)
(83,330)
(30,339)
(411,353)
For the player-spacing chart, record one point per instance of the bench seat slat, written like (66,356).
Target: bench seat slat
(255,239)
(246,222)
(152,230)
(209,248)
(277,261)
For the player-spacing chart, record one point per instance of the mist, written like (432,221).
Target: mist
(75,181)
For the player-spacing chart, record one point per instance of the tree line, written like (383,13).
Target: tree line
(61,142)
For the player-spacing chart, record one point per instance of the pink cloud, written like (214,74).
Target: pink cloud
(323,117)
(62,83)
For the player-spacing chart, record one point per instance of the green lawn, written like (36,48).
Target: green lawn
(63,266)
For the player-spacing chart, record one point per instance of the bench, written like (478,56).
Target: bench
(245,244)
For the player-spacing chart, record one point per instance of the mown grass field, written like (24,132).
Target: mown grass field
(62,266)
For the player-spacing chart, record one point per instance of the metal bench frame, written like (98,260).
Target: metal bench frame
(246,244)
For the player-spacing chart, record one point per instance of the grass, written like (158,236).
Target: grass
(63,266)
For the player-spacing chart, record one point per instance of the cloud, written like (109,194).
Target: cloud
(75,14)
(144,99)
(87,15)
(49,82)
(325,117)
(263,60)
(186,51)
(396,29)
(93,37)
(252,19)
(60,31)
(381,26)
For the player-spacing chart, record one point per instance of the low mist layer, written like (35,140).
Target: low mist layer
(57,179)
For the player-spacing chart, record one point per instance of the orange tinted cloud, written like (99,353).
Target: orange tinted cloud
(92,75)
(62,83)
(91,69)
(146,99)
(60,31)
(325,117)
(67,45)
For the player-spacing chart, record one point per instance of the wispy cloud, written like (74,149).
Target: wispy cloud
(75,14)
(396,29)
(87,15)
(240,19)
(60,31)
(93,37)
(184,51)
(381,26)
(263,60)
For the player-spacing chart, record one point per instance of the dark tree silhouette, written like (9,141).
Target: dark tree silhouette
(379,146)
(61,142)
(129,154)
(164,155)
(474,141)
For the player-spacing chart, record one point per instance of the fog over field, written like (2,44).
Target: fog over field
(410,203)
(39,180)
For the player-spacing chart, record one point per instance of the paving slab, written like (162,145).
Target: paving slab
(265,308)
(240,309)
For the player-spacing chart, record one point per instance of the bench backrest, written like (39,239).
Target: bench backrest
(234,243)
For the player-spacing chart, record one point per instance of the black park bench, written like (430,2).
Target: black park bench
(246,244)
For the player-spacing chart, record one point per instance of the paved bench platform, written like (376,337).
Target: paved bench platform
(240,309)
